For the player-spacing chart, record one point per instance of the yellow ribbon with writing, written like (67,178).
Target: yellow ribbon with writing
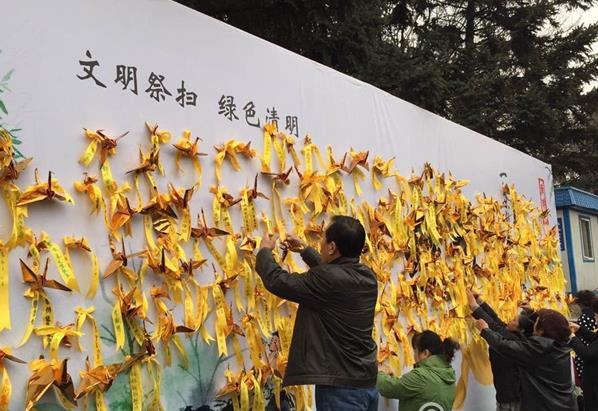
(119,326)
(87,156)
(244,392)
(248,224)
(32,318)
(4,289)
(107,178)
(259,403)
(267,154)
(279,150)
(185,230)
(64,268)
(136,387)
(47,317)
(82,315)
(216,254)
(220,325)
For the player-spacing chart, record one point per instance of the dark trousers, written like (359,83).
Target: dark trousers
(346,399)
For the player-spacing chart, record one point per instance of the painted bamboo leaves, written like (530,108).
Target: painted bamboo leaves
(4,112)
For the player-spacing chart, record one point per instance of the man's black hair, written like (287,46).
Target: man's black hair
(348,234)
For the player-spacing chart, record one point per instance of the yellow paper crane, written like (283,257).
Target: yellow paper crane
(381,168)
(5,385)
(59,335)
(45,374)
(185,148)
(37,283)
(105,143)
(120,261)
(229,150)
(40,191)
(97,381)
(128,307)
(10,169)
(89,187)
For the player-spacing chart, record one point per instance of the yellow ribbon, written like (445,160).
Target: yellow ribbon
(220,325)
(47,317)
(267,154)
(244,396)
(63,266)
(32,318)
(136,387)
(216,254)
(5,389)
(87,156)
(185,230)
(308,159)
(119,326)
(82,315)
(249,219)
(100,402)
(107,178)
(4,289)
(259,403)
(70,242)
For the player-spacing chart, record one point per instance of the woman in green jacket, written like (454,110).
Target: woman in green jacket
(430,386)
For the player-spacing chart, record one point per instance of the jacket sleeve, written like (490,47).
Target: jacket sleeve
(311,257)
(585,335)
(403,387)
(310,288)
(587,322)
(518,351)
(490,311)
(583,351)
(500,327)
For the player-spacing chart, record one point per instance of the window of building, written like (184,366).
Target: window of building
(585,228)
(561,236)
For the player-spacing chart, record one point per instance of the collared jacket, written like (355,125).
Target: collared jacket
(545,365)
(332,340)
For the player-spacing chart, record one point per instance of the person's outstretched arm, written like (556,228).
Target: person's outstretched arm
(518,351)
(400,387)
(311,257)
(310,288)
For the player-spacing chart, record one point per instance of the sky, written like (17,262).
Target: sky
(588,17)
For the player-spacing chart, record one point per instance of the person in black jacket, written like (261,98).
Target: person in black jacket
(585,299)
(544,362)
(505,371)
(332,345)
(589,354)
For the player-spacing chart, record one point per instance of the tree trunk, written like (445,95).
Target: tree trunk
(469,23)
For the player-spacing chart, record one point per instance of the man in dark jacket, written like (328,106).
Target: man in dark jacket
(332,345)
(544,360)
(507,380)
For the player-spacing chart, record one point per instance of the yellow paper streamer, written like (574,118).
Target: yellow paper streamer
(4,290)
(119,327)
(5,389)
(218,297)
(136,387)
(63,267)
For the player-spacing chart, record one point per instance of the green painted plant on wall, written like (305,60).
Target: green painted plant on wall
(4,112)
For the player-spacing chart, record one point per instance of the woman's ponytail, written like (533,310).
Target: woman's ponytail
(449,347)
(429,340)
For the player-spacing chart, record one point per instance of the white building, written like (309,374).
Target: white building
(577,216)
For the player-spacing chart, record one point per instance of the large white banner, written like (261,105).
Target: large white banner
(115,65)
